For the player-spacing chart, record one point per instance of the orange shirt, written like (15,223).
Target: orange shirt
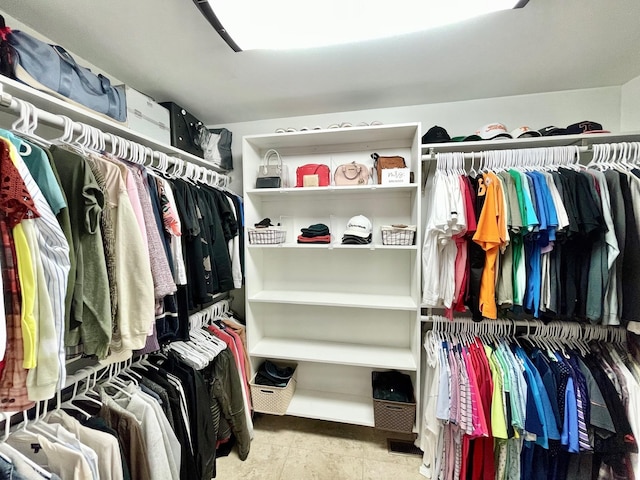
(491,234)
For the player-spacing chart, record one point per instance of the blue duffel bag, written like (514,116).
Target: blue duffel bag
(51,68)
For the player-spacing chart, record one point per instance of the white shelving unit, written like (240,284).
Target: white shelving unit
(338,311)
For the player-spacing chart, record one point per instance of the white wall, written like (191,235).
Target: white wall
(630,106)
(18,25)
(461,118)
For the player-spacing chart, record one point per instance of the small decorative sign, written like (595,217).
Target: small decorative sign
(395,176)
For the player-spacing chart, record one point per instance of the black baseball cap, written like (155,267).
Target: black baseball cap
(551,131)
(586,126)
(466,138)
(436,134)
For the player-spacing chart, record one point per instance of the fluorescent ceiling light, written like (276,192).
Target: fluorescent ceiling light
(287,24)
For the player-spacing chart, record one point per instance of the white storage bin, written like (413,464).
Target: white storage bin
(147,117)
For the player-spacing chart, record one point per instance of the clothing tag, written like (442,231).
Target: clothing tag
(36,447)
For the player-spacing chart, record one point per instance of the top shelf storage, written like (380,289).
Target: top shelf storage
(350,139)
(584,140)
(57,106)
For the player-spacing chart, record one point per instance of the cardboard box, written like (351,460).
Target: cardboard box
(147,117)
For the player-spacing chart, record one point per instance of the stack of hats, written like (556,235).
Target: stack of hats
(573,129)
(358,231)
(271,374)
(316,233)
(497,131)
(264,223)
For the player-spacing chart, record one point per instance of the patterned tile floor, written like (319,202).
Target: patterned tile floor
(291,448)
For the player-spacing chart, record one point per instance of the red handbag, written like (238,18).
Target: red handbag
(313,175)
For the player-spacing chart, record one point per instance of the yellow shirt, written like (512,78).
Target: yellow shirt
(498,416)
(26,274)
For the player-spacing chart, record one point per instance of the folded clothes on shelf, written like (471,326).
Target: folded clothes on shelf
(316,233)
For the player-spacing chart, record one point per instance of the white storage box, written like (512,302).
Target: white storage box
(147,117)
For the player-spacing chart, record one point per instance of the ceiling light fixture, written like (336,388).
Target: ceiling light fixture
(290,24)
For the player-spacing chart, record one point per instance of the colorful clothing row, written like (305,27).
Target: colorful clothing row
(494,410)
(99,258)
(546,243)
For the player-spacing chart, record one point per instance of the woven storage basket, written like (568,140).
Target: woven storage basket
(395,235)
(394,416)
(273,400)
(266,236)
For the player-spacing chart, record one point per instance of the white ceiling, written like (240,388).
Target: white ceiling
(168,50)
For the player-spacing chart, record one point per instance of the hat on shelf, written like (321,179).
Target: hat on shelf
(360,226)
(436,134)
(551,131)
(585,127)
(525,132)
(493,130)
(315,230)
(466,138)
(264,223)
(316,233)
(358,231)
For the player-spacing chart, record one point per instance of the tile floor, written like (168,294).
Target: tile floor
(291,448)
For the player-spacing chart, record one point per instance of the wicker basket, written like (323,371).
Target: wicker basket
(273,400)
(398,235)
(266,236)
(394,416)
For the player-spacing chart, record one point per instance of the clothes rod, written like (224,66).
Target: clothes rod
(431,156)
(12,105)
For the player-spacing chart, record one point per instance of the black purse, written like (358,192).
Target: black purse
(184,129)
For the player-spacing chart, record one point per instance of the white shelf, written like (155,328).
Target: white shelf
(333,407)
(57,106)
(532,142)
(337,353)
(336,299)
(331,190)
(340,139)
(350,295)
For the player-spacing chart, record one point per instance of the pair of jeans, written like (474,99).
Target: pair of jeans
(8,471)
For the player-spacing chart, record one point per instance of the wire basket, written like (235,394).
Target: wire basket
(398,234)
(266,236)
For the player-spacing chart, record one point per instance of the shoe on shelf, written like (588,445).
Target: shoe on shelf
(291,130)
(334,125)
(280,130)
(345,125)
(375,122)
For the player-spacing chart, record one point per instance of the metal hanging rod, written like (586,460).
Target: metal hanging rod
(431,157)
(188,168)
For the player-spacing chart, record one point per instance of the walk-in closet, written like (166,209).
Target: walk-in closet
(333,241)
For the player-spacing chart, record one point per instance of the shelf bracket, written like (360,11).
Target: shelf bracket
(5,98)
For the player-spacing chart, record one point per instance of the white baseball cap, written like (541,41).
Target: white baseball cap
(360,226)
(525,132)
(493,130)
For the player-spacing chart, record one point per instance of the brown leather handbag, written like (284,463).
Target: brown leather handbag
(380,163)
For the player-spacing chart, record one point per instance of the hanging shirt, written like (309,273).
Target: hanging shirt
(491,235)
(90,307)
